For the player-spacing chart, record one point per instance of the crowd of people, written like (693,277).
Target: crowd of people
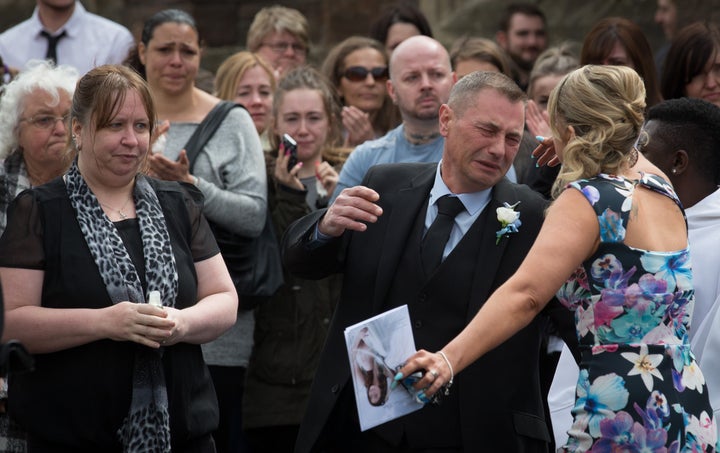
(382,176)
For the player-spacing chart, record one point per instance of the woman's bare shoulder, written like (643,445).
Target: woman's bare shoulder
(204,102)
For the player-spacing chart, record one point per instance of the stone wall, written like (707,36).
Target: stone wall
(223,23)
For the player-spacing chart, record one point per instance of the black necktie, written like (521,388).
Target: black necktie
(439,232)
(51,53)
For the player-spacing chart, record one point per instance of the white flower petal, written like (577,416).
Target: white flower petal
(648,381)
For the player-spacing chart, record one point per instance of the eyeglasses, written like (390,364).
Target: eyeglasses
(282,47)
(359,73)
(46,121)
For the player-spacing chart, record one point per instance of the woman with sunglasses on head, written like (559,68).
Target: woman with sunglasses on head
(358,68)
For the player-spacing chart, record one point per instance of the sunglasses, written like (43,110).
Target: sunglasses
(359,73)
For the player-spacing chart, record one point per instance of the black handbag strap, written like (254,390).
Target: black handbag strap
(206,129)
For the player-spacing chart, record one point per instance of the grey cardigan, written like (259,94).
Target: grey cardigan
(231,174)
(230,171)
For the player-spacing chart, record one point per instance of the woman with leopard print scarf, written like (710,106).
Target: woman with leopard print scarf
(78,260)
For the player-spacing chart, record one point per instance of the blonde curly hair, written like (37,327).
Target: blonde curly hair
(605,105)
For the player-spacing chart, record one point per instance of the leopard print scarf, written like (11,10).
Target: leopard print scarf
(147,426)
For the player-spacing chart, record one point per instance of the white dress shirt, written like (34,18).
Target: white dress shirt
(473,202)
(89,41)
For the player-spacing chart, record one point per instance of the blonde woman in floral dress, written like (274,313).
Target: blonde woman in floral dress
(615,244)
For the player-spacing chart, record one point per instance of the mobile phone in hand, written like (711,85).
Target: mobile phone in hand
(290,146)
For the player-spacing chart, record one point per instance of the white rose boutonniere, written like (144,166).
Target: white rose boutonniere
(509,220)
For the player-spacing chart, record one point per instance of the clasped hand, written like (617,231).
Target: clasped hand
(163,168)
(144,324)
(358,126)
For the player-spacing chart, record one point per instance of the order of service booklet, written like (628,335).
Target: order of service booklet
(377,348)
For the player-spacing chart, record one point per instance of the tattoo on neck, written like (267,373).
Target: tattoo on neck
(418,139)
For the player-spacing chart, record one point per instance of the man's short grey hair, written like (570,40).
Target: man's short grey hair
(465,90)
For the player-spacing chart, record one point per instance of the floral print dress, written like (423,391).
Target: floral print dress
(639,388)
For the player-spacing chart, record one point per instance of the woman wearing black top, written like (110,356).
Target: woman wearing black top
(80,257)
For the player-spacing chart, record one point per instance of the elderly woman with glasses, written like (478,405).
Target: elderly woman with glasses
(33,129)
(358,68)
(280,35)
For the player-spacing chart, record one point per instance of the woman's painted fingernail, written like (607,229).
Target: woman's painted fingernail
(539,138)
(398,376)
(537,165)
(393,384)
(421,398)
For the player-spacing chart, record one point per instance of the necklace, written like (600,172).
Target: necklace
(120,211)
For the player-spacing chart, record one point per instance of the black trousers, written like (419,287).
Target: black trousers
(273,439)
(229,382)
(344,435)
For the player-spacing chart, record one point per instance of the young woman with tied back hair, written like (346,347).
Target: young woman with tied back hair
(397,22)
(290,329)
(613,248)
(280,35)
(247,79)
(358,68)
(620,41)
(229,170)
(115,368)
(692,65)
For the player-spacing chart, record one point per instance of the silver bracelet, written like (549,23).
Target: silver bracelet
(452,373)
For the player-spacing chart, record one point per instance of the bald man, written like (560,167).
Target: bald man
(420,81)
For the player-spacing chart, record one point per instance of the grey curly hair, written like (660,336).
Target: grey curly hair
(38,75)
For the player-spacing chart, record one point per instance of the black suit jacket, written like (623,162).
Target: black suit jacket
(502,406)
